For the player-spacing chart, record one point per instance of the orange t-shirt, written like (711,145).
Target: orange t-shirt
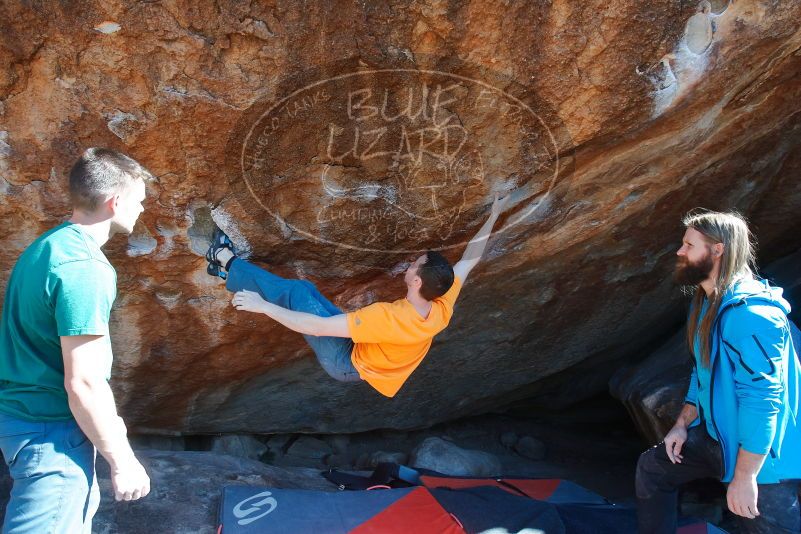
(391,338)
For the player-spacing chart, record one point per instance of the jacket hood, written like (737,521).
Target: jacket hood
(755,289)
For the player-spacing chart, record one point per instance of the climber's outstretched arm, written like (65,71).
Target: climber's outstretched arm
(304,323)
(475,248)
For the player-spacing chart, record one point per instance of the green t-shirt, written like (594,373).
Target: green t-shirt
(61,285)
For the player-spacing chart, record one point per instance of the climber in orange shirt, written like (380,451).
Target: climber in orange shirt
(382,343)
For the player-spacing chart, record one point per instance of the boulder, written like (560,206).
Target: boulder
(508,439)
(380,457)
(530,448)
(242,446)
(437,454)
(306,451)
(653,390)
(609,119)
(279,443)
(309,447)
(340,443)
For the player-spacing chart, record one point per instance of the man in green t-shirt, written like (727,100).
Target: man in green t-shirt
(56,405)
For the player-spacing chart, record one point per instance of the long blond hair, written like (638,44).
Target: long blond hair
(737,262)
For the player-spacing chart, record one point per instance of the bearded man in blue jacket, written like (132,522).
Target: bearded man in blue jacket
(739,423)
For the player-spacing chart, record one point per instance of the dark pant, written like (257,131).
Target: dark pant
(658,480)
(333,353)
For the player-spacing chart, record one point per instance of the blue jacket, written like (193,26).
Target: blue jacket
(755,379)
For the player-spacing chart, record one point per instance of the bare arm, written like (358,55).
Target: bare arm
(92,404)
(742,493)
(304,323)
(689,413)
(475,248)
(748,464)
(675,438)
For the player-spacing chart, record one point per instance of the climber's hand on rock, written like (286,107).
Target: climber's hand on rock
(499,204)
(674,441)
(248,301)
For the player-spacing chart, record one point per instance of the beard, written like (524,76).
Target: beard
(687,273)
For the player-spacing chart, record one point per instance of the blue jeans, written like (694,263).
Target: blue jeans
(53,466)
(333,353)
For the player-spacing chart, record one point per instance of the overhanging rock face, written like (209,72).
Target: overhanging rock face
(335,141)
